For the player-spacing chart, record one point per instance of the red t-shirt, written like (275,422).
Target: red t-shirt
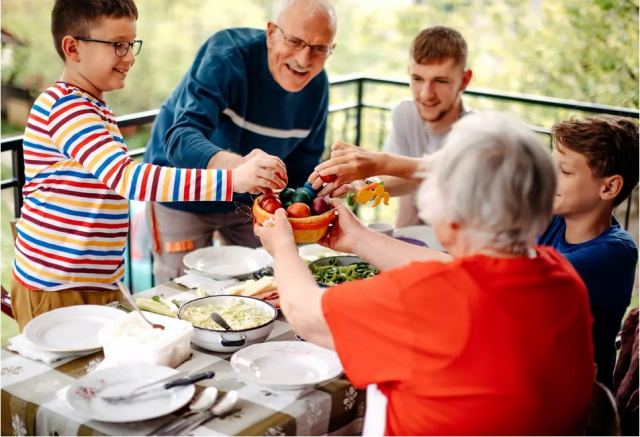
(479,345)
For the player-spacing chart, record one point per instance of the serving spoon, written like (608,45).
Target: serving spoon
(216,317)
(125,292)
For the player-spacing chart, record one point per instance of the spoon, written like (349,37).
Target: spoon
(216,317)
(203,402)
(125,292)
(222,407)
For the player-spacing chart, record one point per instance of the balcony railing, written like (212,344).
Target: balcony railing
(357,96)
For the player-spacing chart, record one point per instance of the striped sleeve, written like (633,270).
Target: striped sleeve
(80,132)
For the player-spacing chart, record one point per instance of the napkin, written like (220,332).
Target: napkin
(197,280)
(24,347)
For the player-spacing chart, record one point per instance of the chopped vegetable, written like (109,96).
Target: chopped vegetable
(332,273)
(155,306)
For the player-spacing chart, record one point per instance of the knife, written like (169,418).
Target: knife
(175,380)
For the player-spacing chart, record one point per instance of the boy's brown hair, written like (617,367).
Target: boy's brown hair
(438,43)
(75,17)
(610,144)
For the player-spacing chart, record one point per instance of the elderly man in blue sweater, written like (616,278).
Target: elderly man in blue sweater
(248,92)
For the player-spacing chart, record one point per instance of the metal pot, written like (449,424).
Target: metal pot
(230,341)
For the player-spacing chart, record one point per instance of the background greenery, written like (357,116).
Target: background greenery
(573,49)
(569,49)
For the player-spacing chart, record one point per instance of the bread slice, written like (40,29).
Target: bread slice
(252,287)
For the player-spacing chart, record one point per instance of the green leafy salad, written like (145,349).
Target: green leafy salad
(333,273)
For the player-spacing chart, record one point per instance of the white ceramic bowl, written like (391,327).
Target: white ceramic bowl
(230,341)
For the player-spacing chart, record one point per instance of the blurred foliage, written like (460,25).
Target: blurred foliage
(571,49)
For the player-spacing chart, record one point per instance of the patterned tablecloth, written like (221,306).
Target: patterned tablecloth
(33,398)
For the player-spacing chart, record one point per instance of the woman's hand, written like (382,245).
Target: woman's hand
(276,232)
(345,230)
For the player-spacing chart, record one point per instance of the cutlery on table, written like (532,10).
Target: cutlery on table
(154,386)
(125,292)
(222,407)
(203,402)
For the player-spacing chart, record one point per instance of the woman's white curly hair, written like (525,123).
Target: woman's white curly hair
(495,178)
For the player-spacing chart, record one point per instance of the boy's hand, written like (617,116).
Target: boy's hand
(276,231)
(259,173)
(345,230)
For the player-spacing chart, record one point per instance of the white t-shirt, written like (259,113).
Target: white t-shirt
(410,136)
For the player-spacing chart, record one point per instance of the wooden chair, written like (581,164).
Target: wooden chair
(603,415)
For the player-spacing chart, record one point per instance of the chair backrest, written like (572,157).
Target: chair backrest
(5,299)
(603,415)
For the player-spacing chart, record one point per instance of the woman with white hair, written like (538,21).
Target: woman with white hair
(493,337)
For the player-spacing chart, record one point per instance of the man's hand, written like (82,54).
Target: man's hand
(345,230)
(259,172)
(333,190)
(348,163)
(276,231)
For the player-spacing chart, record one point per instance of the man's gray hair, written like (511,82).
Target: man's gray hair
(314,7)
(495,178)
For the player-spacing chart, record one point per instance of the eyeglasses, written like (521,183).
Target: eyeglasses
(120,47)
(295,43)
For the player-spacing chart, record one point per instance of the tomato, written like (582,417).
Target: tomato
(328,178)
(298,210)
(270,204)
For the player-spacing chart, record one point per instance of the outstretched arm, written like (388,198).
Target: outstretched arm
(350,163)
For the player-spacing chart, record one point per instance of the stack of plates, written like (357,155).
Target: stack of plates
(224,262)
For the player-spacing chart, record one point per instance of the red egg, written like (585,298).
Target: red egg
(319,205)
(298,210)
(328,178)
(270,204)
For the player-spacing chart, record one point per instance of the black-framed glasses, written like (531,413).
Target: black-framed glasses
(120,47)
(296,43)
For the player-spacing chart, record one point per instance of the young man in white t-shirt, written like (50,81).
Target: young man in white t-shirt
(439,75)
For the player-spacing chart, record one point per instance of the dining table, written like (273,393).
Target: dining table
(34,397)
(34,393)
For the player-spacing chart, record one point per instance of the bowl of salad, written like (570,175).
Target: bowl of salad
(251,321)
(334,270)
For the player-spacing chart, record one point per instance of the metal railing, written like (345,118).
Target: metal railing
(358,105)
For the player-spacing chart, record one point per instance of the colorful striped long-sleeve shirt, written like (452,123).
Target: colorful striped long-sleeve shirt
(78,179)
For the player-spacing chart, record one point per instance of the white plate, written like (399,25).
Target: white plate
(313,252)
(70,329)
(424,233)
(286,365)
(82,395)
(222,262)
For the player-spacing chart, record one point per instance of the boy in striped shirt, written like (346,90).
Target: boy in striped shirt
(72,232)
